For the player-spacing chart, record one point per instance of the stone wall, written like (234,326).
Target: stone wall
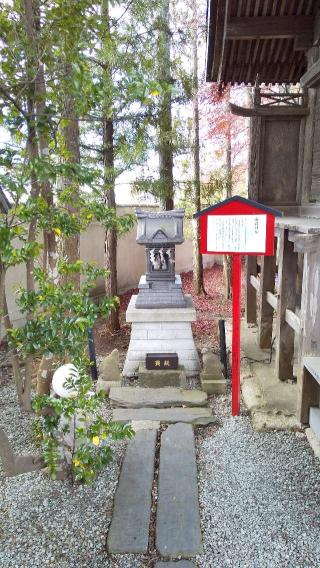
(131,261)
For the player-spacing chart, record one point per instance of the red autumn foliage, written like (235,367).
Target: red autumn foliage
(222,125)
(210,309)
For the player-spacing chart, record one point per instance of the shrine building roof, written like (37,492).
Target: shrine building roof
(264,38)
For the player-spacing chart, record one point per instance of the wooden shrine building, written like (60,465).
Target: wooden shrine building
(266,43)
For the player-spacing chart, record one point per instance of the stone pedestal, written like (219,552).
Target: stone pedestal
(158,379)
(160,294)
(161,330)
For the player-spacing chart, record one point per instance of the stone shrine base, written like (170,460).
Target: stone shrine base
(161,330)
(157,379)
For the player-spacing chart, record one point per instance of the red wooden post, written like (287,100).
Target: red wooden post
(236,287)
(237,226)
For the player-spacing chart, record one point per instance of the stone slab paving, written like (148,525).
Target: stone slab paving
(178,532)
(196,416)
(129,530)
(137,425)
(136,397)
(180,564)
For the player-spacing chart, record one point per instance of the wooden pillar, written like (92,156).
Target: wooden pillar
(265,316)
(308,389)
(310,303)
(251,294)
(287,274)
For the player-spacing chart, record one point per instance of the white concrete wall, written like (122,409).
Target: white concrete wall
(130,266)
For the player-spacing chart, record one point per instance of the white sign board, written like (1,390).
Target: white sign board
(237,233)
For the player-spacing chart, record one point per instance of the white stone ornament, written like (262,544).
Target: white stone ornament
(61,375)
(171,260)
(153,260)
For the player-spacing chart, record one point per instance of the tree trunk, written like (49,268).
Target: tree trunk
(71,135)
(44,374)
(111,239)
(227,259)
(165,112)
(23,384)
(38,146)
(198,285)
(111,234)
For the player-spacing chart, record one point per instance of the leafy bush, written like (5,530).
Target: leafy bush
(60,315)
(71,431)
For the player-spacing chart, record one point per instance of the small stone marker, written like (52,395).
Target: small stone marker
(200,416)
(136,397)
(109,367)
(109,373)
(212,379)
(180,564)
(129,530)
(178,532)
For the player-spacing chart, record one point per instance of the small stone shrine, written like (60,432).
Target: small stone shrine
(160,313)
(160,287)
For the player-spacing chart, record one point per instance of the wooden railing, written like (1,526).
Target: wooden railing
(271,98)
(283,293)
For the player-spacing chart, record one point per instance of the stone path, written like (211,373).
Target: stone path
(178,533)
(180,564)
(129,530)
(200,416)
(177,518)
(137,397)
(178,530)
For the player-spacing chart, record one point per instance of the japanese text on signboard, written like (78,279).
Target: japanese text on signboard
(237,233)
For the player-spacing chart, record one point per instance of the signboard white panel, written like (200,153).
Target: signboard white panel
(237,233)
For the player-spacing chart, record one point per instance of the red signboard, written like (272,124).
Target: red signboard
(237,226)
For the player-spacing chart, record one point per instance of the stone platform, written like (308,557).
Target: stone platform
(161,330)
(151,378)
(272,403)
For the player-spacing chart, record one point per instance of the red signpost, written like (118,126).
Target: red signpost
(237,226)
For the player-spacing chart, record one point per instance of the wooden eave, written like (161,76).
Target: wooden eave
(281,110)
(265,38)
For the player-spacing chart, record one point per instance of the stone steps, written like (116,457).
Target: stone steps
(129,529)
(178,532)
(194,415)
(137,397)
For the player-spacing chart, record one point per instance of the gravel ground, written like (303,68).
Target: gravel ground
(51,523)
(259,496)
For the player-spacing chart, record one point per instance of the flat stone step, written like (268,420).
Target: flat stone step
(180,564)
(137,397)
(129,529)
(195,415)
(314,419)
(178,532)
